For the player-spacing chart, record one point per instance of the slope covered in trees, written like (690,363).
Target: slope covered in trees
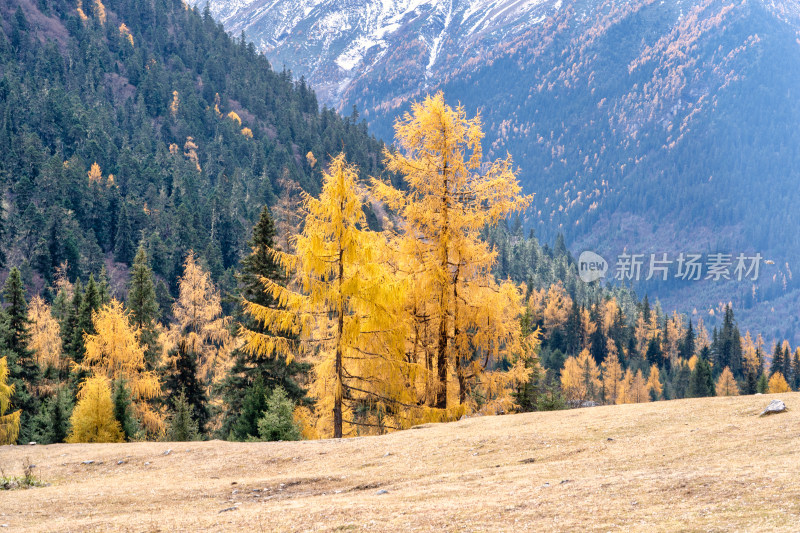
(126,120)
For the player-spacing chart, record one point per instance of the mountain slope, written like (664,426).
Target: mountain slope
(703,464)
(191,132)
(656,127)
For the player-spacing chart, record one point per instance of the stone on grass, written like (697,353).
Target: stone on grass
(775,406)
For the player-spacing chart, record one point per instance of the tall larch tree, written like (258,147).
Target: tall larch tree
(9,420)
(446,202)
(93,418)
(200,322)
(116,353)
(726,384)
(612,375)
(341,307)
(45,335)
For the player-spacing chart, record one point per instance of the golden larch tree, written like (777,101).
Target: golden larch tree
(200,322)
(93,418)
(654,382)
(590,375)
(612,375)
(116,353)
(45,334)
(778,384)
(9,422)
(450,196)
(638,392)
(342,308)
(726,384)
(572,385)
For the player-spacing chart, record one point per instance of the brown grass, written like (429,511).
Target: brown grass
(690,465)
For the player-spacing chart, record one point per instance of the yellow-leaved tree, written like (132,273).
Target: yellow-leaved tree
(778,384)
(200,323)
(590,375)
(726,384)
(9,422)
(342,309)
(115,353)
(45,334)
(654,382)
(612,375)
(572,384)
(450,195)
(93,418)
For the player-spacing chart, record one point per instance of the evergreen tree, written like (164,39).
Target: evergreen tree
(680,383)
(144,306)
(252,409)
(23,370)
(123,241)
(686,350)
(182,426)
(90,302)
(278,422)
(701,382)
(777,361)
(248,368)
(183,379)
(123,410)
(763,384)
(750,383)
(2,235)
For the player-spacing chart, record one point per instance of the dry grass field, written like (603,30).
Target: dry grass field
(689,465)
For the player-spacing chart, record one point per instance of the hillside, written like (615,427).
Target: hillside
(125,121)
(695,465)
(648,126)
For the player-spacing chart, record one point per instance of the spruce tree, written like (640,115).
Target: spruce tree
(686,350)
(777,361)
(123,410)
(182,426)
(248,369)
(2,235)
(278,422)
(23,370)
(701,382)
(763,384)
(123,241)
(253,407)
(182,378)
(144,306)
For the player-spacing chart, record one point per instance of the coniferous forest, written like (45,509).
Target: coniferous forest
(192,249)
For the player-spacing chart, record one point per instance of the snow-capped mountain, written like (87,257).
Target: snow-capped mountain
(334,42)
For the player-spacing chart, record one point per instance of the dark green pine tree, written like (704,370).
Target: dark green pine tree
(69,324)
(247,369)
(686,350)
(182,379)
(253,406)
(24,373)
(750,382)
(598,347)
(143,305)
(123,410)
(701,382)
(182,427)
(123,241)
(680,383)
(777,361)
(787,364)
(763,384)
(796,371)
(2,234)
(60,411)
(90,302)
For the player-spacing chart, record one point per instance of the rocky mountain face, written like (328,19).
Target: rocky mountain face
(642,125)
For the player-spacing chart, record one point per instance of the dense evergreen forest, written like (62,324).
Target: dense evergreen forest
(130,121)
